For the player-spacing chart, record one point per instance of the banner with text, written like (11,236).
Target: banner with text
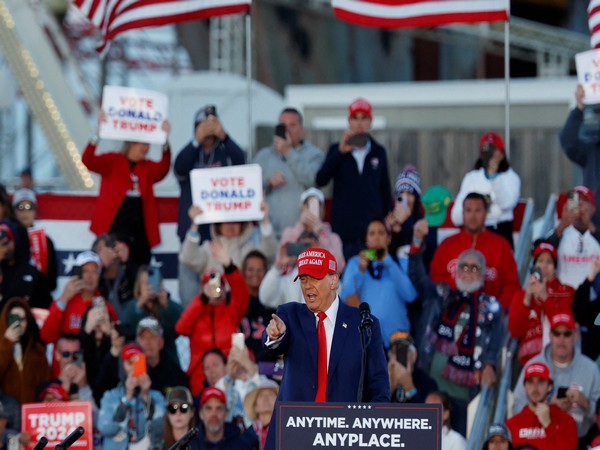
(588,75)
(56,420)
(133,115)
(303,426)
(227,194)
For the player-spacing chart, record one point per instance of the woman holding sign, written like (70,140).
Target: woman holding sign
(126,205)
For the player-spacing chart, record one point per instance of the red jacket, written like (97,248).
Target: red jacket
(68,321)
(116,181)
(526,323)
(210,326)
(501,278)
(525,428)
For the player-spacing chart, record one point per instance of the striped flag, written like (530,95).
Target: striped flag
(419,13)
(594,23)
(113,17)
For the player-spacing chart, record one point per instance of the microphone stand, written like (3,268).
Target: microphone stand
(70,439)
(365,340)
(41,443)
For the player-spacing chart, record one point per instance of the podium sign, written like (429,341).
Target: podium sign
(302,426)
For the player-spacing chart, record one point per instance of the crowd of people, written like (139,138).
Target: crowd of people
(442,310)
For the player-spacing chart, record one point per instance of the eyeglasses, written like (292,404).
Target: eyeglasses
(25,207)
(75,354)
(567,333)
(182,408)
(469,268)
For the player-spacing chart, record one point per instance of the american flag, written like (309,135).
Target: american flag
(419,13)
(594,23)
(113,17)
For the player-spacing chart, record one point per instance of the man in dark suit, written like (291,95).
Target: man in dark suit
(293,331)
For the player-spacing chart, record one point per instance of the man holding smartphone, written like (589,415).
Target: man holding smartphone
(569,368)
(289,166)
(541,423)
(358,166)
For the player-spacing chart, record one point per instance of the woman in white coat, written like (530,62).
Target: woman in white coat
(493,177)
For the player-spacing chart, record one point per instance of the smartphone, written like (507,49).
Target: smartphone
(281,131)
(238,340)
(573,200)
(370,253)
(78,359)
(561,392)
(154,277)
(314,206)
(98,302)
(374,253)
(402,353)
(139,365)
(537,273)
(77,271)
(14,318)
(358,140)
(125,330)
(295,248)
(210,110)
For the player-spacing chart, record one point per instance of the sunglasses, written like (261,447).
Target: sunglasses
(567,333)
(75,354)
(182,408)
(25,207)
(469,268)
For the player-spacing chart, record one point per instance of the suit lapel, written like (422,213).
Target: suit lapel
(340,333)
(309,328)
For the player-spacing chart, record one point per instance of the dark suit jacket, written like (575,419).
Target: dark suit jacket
(299,345)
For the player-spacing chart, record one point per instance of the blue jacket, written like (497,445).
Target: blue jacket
(585,154)
(386,296)
(299,345)
(114,417)
(357,197)
(226,153)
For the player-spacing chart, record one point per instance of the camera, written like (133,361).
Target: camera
(77,271)
(210,110)
(281,130)
(14,318)
(537,273)
(295,248)
(358,140)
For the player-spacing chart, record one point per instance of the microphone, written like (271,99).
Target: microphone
(70,439)
(185,439)
(41,443)
(365,313)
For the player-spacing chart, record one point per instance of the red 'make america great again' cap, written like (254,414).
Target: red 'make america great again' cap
(316,262)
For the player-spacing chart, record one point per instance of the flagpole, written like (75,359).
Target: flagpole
(249,83)
(507,87)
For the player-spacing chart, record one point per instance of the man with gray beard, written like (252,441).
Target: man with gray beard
(463,334)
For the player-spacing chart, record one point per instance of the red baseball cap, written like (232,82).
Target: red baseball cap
(212,392)
(565,319)
(545,247)
(316,262)
(537,370)
(130,350)
(360,105)
(586,192)
(6,231)
(491,138)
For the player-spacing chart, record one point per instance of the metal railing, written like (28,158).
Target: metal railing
(482,416)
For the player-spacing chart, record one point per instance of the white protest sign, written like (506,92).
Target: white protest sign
(588,75)
(227,194)
(133,115)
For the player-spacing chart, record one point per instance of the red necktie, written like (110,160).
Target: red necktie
(321,359)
